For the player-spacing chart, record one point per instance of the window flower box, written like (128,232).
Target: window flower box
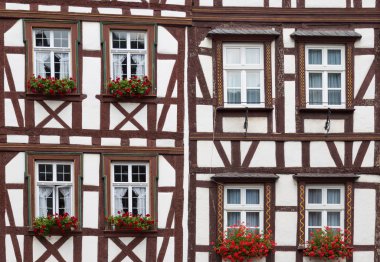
(241,244)
(133,87)
(54,225)
(51,86)
(130,223)
(329,245)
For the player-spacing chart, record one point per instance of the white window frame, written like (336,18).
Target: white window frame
(52,49)
(324,207)
(243,68)
(130,185)
(325,69)
(243,208)
(128,51)
(56,184)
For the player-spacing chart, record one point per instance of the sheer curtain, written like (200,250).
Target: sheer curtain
(44,193)
(43,64)
(334,57)
(233,196)
(333,196)
(315,88)
(119,193)
(315,196)
(233,218)
(61,60)
(315,219)
(141,199)
(118,69)
(333,219)
(334,84)
(253,87)
(139,62)
(234,87)
(253,219)
(252,196)
(66,192)
(315,57)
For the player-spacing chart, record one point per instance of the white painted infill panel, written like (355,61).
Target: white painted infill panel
(368,3)
(201,256)
(166,173)
(236,124)
(15,169)
(364,119)
(9,248)
(80,140)
(318,126)
(207,155)
(205,116)
(23,139)
(67,249)
(173,13)
(374,178)
(361,67)
(206,2)
(89,252)
(110,11)
(175,2)
(90,209)
(293,154)
(137,142)
(365,216)
(142,12)
(364,256)
(202,230)
(320,155)
(206,42)
(290,106)
(164,71)
(14,37)
(49,8)
(286,190)
(370,94)
(288,41)
(140,250)
(10,114)
(16,197)
(275,3)
(265,155)
(169,254)
(286,233)
(258,3)
(50,139)
(368,160)
(289,64)
(325,3)
(164,202)
(91,35)
(285,256)
(15,6)
(91,169)
(38,249)
(166,43)
(368,37)
(207,68)
(113,250)
(17,65)
(79,9)
(170,123)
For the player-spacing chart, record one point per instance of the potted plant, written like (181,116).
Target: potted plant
(130,222)
(51,86)
(133,87)
(329,244)
(241,244)
(57,224)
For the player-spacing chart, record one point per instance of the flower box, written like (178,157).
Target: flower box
(54,225)
(51,86)
(134,87)
(314,259)
(128,222)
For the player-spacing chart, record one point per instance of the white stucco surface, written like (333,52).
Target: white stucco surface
(80,140)
(282,256)
(164,71)
(368,3)
(206,2)
(166,173)
(173,13)
(368,160)
(368,34)
(164,201)
(15,6)
(91,169)
(169,254)
(362,256)
(9,248)
(142,12)
(325,3)
(320,155)
(137,142)
(206,64)
(40,113)
(10,115)
(91,36)
(286,190)
(374,178)
(16,197)
(243,3)
(236,124)
(110,11)
(79,9)
(289,64)
(175,2)
(202,230)
(49,8)
(14,170)
(89,253)
(14,37)
(365,216)
(265,155)
(17,65)
(370,93)
(286,233)
(110,141)
(361,67)
(206,42)
(275,3)
(288,41)
(170,119)
(207,155)
(49,139)
(90,209)
(117,117)
(290,109)
(17,139)
(166,43)
(205,116)
(318,126)
(363,119)
(66,250)
(293,154)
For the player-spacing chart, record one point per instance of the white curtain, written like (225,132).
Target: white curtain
(315,196)
(44,193)
(233,196)
(119,194)
(334,82)
(315,57)
(253,219)
(141,199)
(252,196)
(333,219)
(234,87)
(66,192)
(333,196)
(315,88)
(42,63)
(139,61)
(233,218)
(118,62)
(334,57)
(63,60)
(315,219)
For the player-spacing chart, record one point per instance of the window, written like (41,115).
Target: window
(324,207)
(54,188)
(243,74)
(244,204)
(130,187)
(52,52)
(128,54)
(325,76)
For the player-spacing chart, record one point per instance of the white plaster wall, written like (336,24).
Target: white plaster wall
(49,8)
(370,93)
(325,3)
(40,114)
(89,252)
(320,155)
(236,124)
(15,169)
(17,139)
(91,164)
(368,36)
(38,248)
(205,116)
(206,42)
(66,250)
(286,190)
(364,119)
(165,142)
(207,155)
(117,116)
(166,43)
(365,216)
(206,64)
(79,9)
(110,11)
(9,249)
(293,154)
(80,140)
(91,87)
(361,66)
(275,3)
(289,64)
(140,250)
(16,198)
(285,256)
(206,2)
(293,3)
(368,3)
(173,13)
(364,256)
(227,149)
(204,177)
(290,106)
(164,71)
(137,142)
(166,173)
(17,65)
(14,6)
(265,155)
(164,201)
(369,178)
(243,3)
(91,35)
(201,256)
(143,12)
(202,222)
(288,41)
(318,126)
(10,115)
(90,209)
(14,37)
(175,2)
(110,141)
(114,250)
(286,233)
(368,160)
(49,139)
(170,119)
(169,254)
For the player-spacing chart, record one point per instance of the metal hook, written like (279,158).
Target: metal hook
(328,122)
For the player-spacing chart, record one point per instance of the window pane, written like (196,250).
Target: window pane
(253,96)
(333,219)
(138,65)
(334,97)
(315,80)
(233,56)
(121,200)
(233,96)
(137,40)
(333,196)
(252,196)
(61,38)
(139,173)
(315,97)
(233,219)
(61,65)
(139,200)
(45,172)
(315,219)
(119,39)
(334,80)
(64,200)
(252,56)
(121,173)
(63,173)
(234,78)
(119,66)
(43,66)
(253,78)
(334,57)
(43,38)
(253,219)
(315,196)
(45,201)
(315,56)
(233,196)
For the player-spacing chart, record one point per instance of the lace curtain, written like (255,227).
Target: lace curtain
(119,194)
(43,64)
(44,193)
(61,61)
(66,193)
(140,192)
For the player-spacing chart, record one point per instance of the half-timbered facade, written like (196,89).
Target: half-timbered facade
(262,111)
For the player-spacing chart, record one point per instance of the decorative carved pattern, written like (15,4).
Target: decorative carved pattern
(268,203)
(349,209)
(219,72)
(268,75)
(349,76)
(301,229)
(301,52)
(220,211)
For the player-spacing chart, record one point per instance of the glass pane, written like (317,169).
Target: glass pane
(45,172)
(138,200)
(119,39)
(315,97)
(61,38)
(61,65)
(333,196)
(43,66)
(253,219)
(334,57)
(63,173)
(233,56)
(233,219)
(315,80)
(334,80)
(42,38)
(121,173)
(252,56)
(233,196)
(119,66)
(334,97)
(138,65)
(253,78)
(139,173)
(333,219)
(253,96)
(315,219)
(137,40)
(315,56)
(252,196)
(234,78)
(315,196)
(233,96)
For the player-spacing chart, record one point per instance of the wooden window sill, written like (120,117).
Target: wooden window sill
(129,233)
(325,110)
(245,109)
(57,233)
(107,98)
(67,97)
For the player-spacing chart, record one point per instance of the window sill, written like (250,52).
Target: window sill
(57,233)
(67,97)
(106,98)
(129,233)
(325,110)
(245,109)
